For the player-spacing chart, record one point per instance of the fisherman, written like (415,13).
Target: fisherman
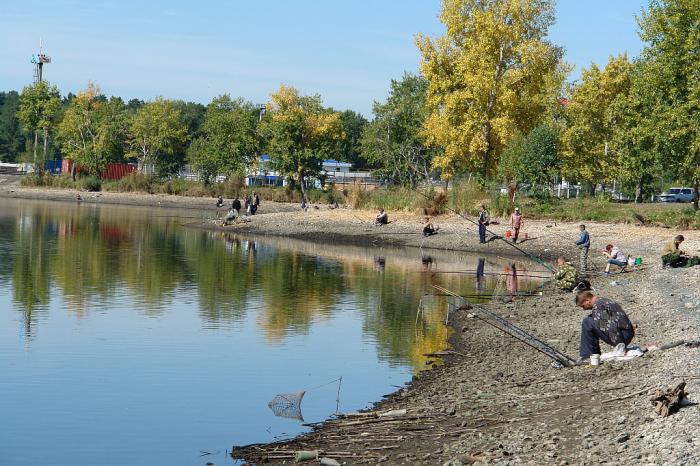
(672,256)
(607,322)
(566,276)
(615,257)
(484,221)
(220,202)
(247,203)
(516,222)
(230,216)
(382,218)
(428,228)
(255,203)
(583,243)
(236,206)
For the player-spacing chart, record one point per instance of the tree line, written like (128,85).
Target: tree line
(492,101)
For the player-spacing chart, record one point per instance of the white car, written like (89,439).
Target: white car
(677,195)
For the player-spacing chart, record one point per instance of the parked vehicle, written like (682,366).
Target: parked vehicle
(677,195)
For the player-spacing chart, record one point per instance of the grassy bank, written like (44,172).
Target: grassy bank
(464,198)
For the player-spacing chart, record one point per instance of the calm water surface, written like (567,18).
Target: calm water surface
(128,338)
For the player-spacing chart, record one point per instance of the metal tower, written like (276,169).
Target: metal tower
(38,60)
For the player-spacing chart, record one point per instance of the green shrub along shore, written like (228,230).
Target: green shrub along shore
(463,198)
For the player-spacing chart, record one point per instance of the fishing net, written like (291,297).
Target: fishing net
(287,405)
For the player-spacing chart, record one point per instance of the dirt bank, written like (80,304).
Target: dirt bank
(497,401)
(205,205)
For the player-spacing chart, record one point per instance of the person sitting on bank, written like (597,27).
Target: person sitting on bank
(566,276)
(615,257)
(236,206)
(672,256)
(607,322)
(382,218)
(428,228)
(220,202)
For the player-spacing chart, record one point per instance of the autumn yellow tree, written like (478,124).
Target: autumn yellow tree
(589,154)
(492,74)
(299,132)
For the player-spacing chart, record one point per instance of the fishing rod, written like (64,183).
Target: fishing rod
(474,222)
(487,295)
(498,274)
(508,328)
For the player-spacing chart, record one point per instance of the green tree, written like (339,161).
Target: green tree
(531,159)
(92,129)
(156,133)
(671,29)
(11,138)
(39,107)
(349,149)
(491,75)
(589,155)
(229,142)
(299,133)
(394,142)
(635,137)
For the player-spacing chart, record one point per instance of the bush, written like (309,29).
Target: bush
(89,183)
(32,179)
(134,182)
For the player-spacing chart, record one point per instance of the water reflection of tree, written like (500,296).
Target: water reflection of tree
(99,256)
(30,269)
(296,291)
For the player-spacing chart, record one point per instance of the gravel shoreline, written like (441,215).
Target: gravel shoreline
(495,401)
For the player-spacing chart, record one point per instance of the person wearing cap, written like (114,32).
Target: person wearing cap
(516,222)
(607,321)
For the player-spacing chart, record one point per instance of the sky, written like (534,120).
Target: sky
(346,50)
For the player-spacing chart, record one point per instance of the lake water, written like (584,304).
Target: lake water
(127,338)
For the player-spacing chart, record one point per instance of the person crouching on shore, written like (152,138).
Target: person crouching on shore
(428,228)
(607,322)
(566,276)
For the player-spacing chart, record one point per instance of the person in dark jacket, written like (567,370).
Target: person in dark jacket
(607,322)
(236,206)
(483,223)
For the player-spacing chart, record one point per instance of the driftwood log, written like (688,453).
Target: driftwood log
(667,402)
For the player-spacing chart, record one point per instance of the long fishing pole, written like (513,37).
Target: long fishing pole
(515,331)
(469,272)
(474,222)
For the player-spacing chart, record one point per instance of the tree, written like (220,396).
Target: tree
(635,137)
(349,149)
(230,142)
(299,132)
(92,129)
(491,75)
(156,132)
(589,155)
(394,142)
(531,159)
(39,106)
(671,29)
(11,138)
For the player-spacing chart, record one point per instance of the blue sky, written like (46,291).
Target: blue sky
(346,50)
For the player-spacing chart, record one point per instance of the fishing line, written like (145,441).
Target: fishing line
(474,222)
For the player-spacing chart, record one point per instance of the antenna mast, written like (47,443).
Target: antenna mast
(38,61)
